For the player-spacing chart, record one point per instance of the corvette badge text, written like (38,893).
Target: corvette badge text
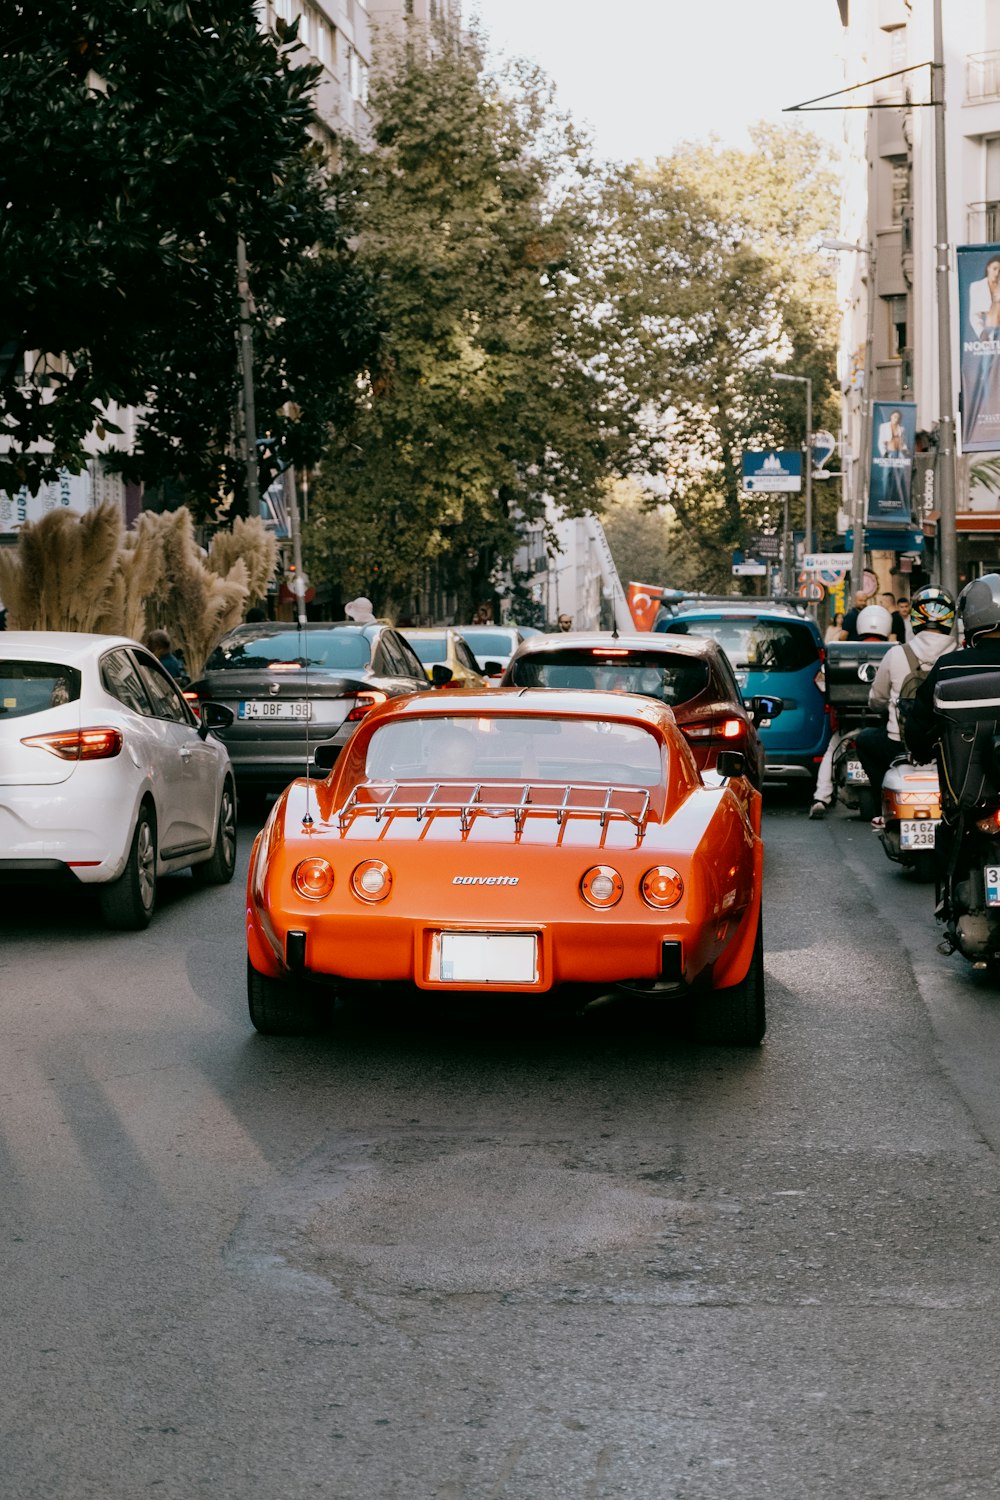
(485,880)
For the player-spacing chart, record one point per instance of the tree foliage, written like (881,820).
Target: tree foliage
(140,138)
(475,210)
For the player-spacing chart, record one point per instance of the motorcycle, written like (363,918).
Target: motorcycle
(850,671)
(911,811)
(968,855)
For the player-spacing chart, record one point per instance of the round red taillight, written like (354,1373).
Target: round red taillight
(661,887)
(372,880)
(313,879)
(601,886)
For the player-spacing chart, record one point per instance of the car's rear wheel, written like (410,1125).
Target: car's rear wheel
(280,1007)
(735,1016)
(127,903)
(218,868)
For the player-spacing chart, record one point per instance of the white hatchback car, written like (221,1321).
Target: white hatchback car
(106,775)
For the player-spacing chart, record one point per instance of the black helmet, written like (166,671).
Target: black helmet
(979,605)
(932,609)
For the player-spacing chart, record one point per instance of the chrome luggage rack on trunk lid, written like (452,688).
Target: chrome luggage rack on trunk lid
(496,799)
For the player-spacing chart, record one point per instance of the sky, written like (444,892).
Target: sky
(648,74)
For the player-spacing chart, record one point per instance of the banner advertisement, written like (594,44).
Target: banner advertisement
(979,366)
(76,492)
(894,431)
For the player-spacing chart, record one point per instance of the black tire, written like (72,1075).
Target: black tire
(218,868)
(127,903)
(924,865)
(735,1017)
(278,1007)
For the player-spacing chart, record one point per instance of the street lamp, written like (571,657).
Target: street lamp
(805,380)
(861,478)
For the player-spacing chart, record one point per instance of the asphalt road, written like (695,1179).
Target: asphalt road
(471,1255)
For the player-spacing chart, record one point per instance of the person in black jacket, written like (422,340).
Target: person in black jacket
(979,613)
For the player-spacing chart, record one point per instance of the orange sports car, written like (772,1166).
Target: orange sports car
(517,841)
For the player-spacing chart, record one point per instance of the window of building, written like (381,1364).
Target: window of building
(896,308)
(283,8)
(306,29)
(900,187)
(325,42)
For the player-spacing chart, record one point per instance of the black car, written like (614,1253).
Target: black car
(293,690)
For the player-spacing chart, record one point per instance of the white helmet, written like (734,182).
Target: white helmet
(874,620)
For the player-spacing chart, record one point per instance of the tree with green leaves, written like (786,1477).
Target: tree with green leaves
(140,139)
(475,211)
(716,264)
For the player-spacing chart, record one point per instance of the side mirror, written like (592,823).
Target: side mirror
(213,716)
(324,757)
(765,708)
(441,675)
(731,763)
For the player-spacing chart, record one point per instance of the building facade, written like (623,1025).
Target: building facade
(890,335)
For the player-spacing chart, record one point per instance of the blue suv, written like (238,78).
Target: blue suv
(774,652)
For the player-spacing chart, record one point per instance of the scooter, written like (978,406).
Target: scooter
(850,670)
(911,810)
(851,786)
(968,852)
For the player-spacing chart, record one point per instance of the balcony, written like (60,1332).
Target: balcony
(982,77)
(982,223)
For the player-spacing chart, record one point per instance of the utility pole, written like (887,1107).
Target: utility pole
(863,475)
(944,477)
(246,367)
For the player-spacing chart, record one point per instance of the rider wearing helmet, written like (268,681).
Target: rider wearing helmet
(932,615)
(873,624)
(979,613)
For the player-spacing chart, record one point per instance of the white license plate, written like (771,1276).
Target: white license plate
(856,771)
(917,833)
(263,708)
(488,958)
(991,879)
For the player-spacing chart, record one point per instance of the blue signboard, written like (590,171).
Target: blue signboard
(894,431)
(979,364)
(774,473)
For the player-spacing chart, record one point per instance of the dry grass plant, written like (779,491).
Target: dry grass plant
(197,606)
(61,575)
(250,540)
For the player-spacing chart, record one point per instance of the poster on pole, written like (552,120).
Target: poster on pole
(979,365)
(894,432)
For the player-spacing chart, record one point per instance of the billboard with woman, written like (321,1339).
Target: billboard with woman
(979,304)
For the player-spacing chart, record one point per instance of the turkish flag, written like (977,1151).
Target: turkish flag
(644,604)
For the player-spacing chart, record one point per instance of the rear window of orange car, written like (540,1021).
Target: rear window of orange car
(653,674)
(755,644)
(30,687)
(514,748)
(322,650)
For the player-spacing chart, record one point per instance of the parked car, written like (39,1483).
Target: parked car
(107,777)
(483,842)
(493,646)
(774,652)
(447,647)
(291,690)
(692,676)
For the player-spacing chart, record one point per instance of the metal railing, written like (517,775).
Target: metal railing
(982,222)
(386,800)
(982,77)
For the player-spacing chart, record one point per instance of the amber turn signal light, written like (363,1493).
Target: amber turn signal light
(313,878)
(661,887)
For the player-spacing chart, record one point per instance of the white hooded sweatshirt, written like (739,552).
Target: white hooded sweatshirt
(894,668)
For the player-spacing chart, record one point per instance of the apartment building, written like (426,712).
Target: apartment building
(890,345)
